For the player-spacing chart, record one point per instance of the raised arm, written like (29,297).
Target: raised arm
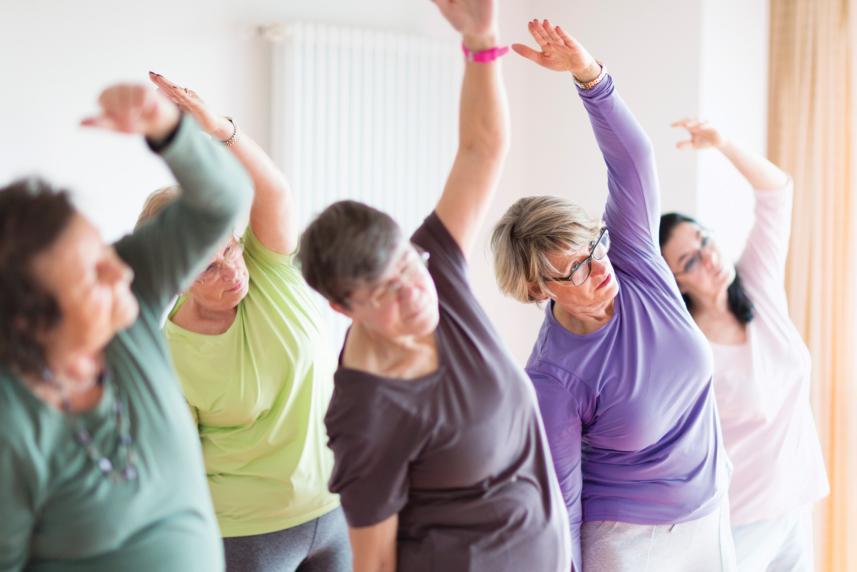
(763,261)
(169,250)
(759,172)
(483,136)
(272,216)
(633,205)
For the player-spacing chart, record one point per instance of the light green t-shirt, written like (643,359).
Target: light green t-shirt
(259,392)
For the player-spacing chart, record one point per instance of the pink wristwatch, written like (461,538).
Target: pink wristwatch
(484,56)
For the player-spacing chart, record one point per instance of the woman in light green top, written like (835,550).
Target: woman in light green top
(248,346)
(100,468)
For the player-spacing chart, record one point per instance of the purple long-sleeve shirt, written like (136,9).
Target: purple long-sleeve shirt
(629,409)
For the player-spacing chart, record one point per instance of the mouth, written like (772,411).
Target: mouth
(605,282)
(236,288)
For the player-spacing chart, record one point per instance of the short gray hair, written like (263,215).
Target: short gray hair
(348,245)
(530,230)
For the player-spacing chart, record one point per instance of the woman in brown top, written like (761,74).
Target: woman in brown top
(440,457)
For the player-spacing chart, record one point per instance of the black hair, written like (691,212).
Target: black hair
(739,302)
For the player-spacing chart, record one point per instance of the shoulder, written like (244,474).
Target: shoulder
(433,237)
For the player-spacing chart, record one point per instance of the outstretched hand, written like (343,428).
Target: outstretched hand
(702,135)
(558,51)
(188,101)
(476,18)
(134,108)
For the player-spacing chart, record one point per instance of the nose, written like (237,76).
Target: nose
(710,258)
(599,268)
(114,271)
(229,272)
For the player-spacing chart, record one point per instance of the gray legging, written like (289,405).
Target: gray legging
(320,545)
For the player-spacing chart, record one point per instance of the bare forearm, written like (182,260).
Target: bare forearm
(759,172)
(484,114)
(374,547)
(273,211)
(483,141)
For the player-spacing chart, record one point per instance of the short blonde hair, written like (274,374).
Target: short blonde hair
(156,202)
(531,230)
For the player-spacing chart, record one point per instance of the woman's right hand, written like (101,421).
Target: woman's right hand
(188,101)
(559,51)
(702,135)
(134,108)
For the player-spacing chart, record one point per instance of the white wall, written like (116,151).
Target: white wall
(55,56)
(733,92)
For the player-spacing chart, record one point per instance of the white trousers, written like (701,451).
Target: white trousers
(783,544)
(702,545)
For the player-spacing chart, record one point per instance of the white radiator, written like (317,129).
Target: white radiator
(364,115)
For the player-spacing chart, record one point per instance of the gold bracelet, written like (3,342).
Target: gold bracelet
(593,82)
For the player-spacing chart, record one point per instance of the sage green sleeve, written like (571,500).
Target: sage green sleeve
(17,508)
(167,252)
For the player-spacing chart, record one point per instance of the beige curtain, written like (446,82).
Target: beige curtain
(810,135)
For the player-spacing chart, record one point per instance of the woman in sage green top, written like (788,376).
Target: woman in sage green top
(253,360)
(99,462)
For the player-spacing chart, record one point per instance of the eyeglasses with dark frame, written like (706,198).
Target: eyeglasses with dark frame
(233,252)
(384,292)
(705,238)
(581,270)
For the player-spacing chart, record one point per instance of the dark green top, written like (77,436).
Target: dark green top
(57,512)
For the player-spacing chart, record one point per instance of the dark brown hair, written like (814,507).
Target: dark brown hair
(32,215)
(348,245)
(739,302)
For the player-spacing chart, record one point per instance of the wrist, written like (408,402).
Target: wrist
(479,42)
(588,73)
(223,130)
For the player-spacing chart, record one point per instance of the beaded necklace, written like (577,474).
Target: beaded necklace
(124,452)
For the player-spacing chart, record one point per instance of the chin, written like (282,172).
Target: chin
(425,323)
(126,312)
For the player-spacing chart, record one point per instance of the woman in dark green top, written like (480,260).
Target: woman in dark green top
(99,462)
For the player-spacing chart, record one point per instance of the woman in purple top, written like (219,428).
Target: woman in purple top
(622,373)
(440,458)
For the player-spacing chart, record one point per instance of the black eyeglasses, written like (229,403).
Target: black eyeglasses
(580,270)
(696,257)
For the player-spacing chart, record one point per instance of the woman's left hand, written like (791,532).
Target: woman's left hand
(559,51)
(188,101)
(702,135)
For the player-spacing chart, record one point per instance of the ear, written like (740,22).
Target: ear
(538,294)
(339,309)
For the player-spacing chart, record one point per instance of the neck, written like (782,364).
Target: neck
(200,311)
(584,321)
(385,345)
(712,306)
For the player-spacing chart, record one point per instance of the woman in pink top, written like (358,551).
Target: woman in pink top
(762,367)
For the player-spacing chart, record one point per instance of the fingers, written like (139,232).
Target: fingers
(687,123)
(538,34)
(527,52)
(568,40)
(687,144)
(185,98)
(99,122)
(551,33)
